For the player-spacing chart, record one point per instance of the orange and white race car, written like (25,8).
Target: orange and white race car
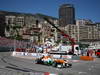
(59,63)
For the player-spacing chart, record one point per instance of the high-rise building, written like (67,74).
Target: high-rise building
(66,14)
(2,25)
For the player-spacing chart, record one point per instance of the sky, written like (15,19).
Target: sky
(84,9)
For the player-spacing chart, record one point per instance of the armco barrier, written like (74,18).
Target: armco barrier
(56,56)
(18,53)
(37,55)
(67,56)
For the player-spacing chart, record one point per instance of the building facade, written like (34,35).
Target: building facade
(26,26)
(36,29)
(85,31)
(66,14)
(2,25)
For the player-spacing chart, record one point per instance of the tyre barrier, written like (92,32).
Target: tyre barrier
(86,58)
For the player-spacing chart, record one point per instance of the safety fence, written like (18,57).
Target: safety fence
(38,55)
(7,44)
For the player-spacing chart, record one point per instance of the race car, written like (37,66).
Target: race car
(59,63)
(45,60)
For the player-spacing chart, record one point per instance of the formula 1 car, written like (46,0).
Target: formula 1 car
(45,60)
(59,63)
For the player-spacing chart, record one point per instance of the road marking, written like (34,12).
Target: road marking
(81,72)
(89,69)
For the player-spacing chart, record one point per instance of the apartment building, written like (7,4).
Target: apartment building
(2,25)
(66,14)
(85,31)
(31,27)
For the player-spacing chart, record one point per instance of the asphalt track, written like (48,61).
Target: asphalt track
(17,66)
